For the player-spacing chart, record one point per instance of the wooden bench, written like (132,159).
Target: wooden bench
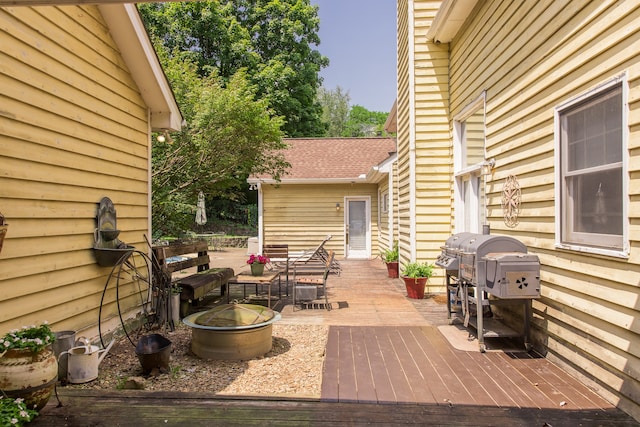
(194,286)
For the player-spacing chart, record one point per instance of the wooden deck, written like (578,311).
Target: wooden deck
(386,364)
(416,365)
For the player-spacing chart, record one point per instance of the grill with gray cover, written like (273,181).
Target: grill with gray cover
(481,266)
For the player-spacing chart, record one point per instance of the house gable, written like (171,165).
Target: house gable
(128,32)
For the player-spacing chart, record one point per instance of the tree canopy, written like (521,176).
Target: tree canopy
(273,40)
(335,110)
(229,134)
(343,120)
(363,122)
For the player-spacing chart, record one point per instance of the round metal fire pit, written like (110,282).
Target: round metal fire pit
(232,331)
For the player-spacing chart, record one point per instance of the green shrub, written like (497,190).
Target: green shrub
(416,269)
(390,255)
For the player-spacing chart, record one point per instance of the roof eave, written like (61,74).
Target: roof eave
(380,172)
(362,179)
(449,19)
(129,33)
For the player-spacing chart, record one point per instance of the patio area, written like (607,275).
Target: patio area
(389,361)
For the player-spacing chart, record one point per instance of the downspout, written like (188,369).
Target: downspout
(149,177)
(390,207)
(412,134)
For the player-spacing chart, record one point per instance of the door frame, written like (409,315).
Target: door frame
(366,254)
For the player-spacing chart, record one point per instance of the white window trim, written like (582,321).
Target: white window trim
(624,252)
(467,111)
(384,207)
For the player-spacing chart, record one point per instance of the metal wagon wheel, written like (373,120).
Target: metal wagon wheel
(131,279)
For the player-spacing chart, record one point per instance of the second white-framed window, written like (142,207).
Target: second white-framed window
(592,184)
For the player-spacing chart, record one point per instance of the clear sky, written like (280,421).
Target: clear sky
(359,38)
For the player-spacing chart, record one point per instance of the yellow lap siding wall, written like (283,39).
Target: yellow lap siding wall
(73,129)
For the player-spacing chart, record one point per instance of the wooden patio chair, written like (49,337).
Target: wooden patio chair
(278,255)
(305,288)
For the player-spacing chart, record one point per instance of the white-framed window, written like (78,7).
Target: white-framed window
(592,177)
(384,202)
(469,157)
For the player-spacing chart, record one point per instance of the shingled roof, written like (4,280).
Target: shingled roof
(334,159)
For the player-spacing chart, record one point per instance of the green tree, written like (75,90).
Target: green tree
(229,135)
(272,39)
(335,110)
(363,122)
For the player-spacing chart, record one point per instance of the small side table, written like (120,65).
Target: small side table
(246,278)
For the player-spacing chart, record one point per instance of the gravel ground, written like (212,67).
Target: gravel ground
(293,367)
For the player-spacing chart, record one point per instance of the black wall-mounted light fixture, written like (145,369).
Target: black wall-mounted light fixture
(337,207)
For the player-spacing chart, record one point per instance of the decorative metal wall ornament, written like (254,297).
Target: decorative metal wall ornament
(511,197)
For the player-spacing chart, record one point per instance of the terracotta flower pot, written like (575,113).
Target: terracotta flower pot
(392,269)
(415,286)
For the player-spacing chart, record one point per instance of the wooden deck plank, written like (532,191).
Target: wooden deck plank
(139,408)
(433,384)
(583,396)
(518,377)
(500,383)
(347,387)
(329,387)
(469,377)
(366,391)
(538,378)
(417,383)
(381,381)
(395,371)
(489,376)
(510,381)
(575,392)
(453,389)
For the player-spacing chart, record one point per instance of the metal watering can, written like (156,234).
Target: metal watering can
(83,360)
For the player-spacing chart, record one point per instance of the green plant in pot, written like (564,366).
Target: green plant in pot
(415,276)
(390,257)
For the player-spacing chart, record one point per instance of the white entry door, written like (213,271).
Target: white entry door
(358,228)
